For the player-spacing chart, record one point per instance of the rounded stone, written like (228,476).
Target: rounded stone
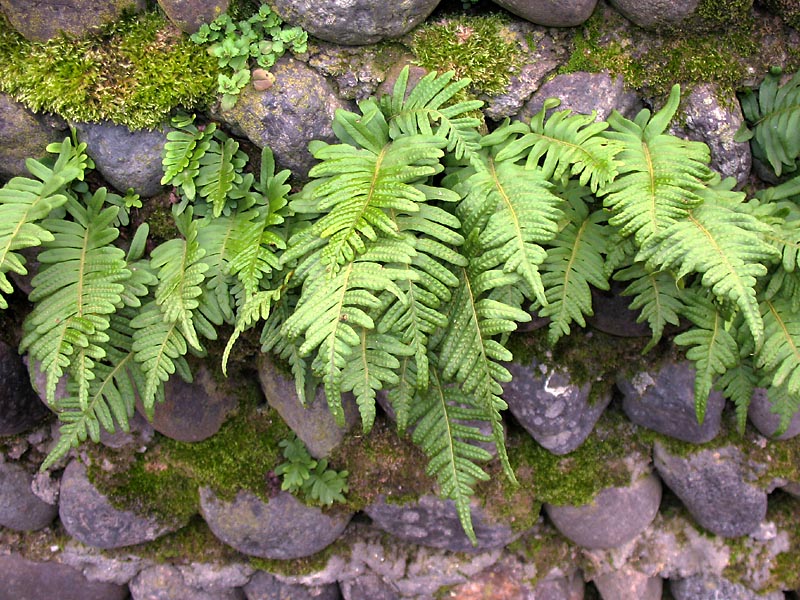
(189,15)
(628,584)
(714,487)
(766,421)
(281,528)
(706,587)
(24,579)
(654,14)
(20,508)
(614,517)
(23,135)
(163,582)
(264,586)
(125,158)
(552,13)
(355,22)
(89,516)
(40,20)
(20,406)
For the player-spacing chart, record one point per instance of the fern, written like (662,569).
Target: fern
(219,171)
(774,116)
(737,384)
(182,153)
(780,354)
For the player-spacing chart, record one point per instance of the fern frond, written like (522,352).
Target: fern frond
(785,234)
(656,294)
(775,119)
(416,112)
(659,175)
(712,347)
(737,384)
(181,155)
(785,284)
(24,201)
(723,243)
(219,171)
(76,291)
(256,307)
(272,340)
(441,416)
(515,211)
(574,262)
(565,145)
(780,354)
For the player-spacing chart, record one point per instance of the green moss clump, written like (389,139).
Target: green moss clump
(194,542)
(133,72)
(473,47)
(724,13)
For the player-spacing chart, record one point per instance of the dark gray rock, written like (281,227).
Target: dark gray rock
(263,586)
(766,421)
(560,588)
(298,108)
(713,117)
(663,400)
(655,14)
(140,434)
(627,584)
(163,582)
(553,13)
(559,414)
(24,579)
(40,20)
(20,407)
(702,587)
(281,528)
(189,15)
(614,517)
(368,586)
(89,517)
(612,315)
(194,411)
(127,159)
(355,22)
(431,521)
(20,508)
(314,424)
(24,134)
(583,93)
(713,485)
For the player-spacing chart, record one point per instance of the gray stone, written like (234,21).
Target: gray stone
(663,400)
(20,509)
(702,587)
(612,314)
(163,582)
(189,15)
(368,586)
(713,485)
(552,13)
(355,22)
(281,528)
(264,586)
(216,576)
(298,108)
(628,584)
(560,588)
(432,521)
(140,434)
(24,579)
(583,93)
(614,517)
(766,421)
(559,414)
(127,159)
(711,116)
(23,135)
(655,14)
(194,411)
(98,566)
(89,516)
(20,407)
(314,424)
(40,20)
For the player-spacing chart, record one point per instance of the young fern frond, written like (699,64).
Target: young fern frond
(25,201)
(219,171)
(737,384)
(441,416)
(75,293)
(562,146)
(774,116)
(780,354)
(181,156)
(660,175)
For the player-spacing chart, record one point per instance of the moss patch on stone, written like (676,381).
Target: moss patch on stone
(133,72)
(473,47)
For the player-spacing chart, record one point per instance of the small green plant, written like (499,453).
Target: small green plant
(309,478)
(262,37)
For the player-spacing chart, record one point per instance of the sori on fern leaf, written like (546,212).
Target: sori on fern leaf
(406,262)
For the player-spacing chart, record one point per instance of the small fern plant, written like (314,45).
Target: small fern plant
(312,479)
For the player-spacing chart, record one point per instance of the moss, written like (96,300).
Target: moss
(724,13)
(134,72)
(546,549)
(193,543)
(473,47)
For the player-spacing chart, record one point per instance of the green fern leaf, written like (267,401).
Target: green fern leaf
(24,201)
(780,354)
(76,291)
(220,171)
(660,175)
(725,245)
(256,307)
(775,118)
(737,384)
(441,416)
(272,340)
(712,347)
(565,145)
(182,153)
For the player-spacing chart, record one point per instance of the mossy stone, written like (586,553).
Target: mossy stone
(24,135)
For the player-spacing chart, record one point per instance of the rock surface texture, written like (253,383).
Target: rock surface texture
(551,12)
(24,134)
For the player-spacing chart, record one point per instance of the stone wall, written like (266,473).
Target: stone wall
(622,493)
